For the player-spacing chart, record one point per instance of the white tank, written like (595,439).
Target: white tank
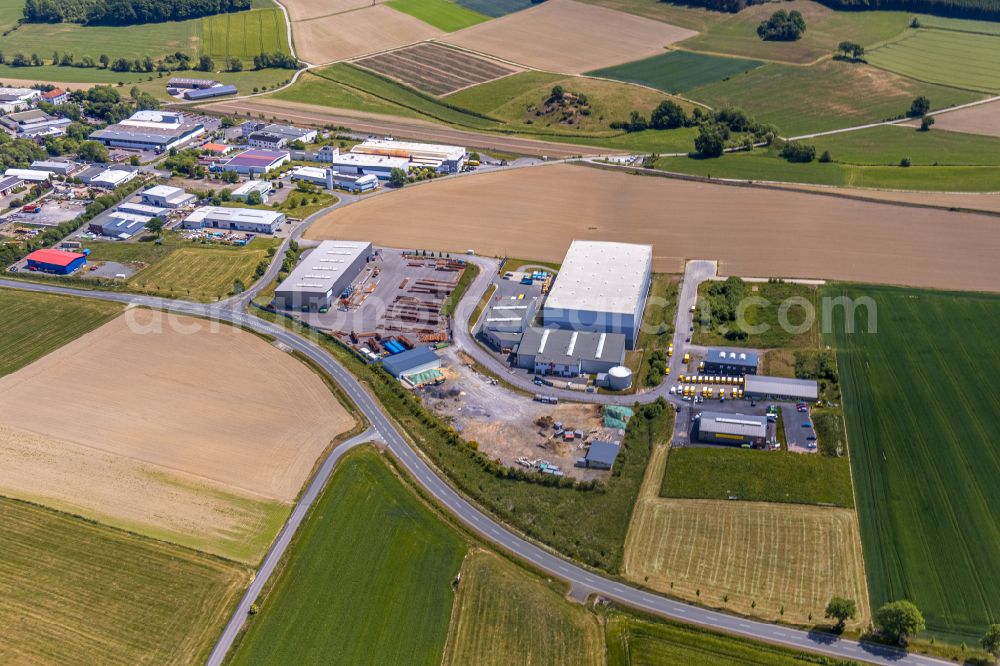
(619,378)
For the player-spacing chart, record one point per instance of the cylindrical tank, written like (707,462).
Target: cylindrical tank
(619,378)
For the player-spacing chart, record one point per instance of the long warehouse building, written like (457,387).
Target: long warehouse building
(733,429)
(601,287)
(322,275)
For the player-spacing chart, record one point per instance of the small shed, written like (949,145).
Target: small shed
(602,455)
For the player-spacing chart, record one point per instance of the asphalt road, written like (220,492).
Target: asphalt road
(583,581)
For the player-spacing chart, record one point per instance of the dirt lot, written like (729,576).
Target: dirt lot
(505,424)
(417,130)
(200,437)
(536,212)
(357,32)
(570,37)
(763,557)
(979,119)
(300,10)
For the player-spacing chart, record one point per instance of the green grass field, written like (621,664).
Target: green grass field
(244,34)
(757,476)
(736,34)
(442,14)
(75,592)
(635,641)
(367,579)
(11,11)
(678,71)
(763,314)
(830,95)
(505,615)
(887,145)
(921,399)
(134,41)
(36,324)
(959,59)
(961,25)
(495,8)
(657,330)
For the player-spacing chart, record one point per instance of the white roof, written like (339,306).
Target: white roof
(113,176)
(320,269)
(601,277)
(220,213)
(360,160)
(29,174)
(157,117)
(252,186)
(165,191)
(21,92)
(418,150)
(309,172)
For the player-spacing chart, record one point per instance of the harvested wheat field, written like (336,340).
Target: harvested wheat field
(979,119)
(357,32)
(197,435)
(570,37)
(536,212)
(301,10)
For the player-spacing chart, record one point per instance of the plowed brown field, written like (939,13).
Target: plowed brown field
(357,32)
(536,212)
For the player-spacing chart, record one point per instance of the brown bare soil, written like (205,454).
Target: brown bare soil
(357,32)
(979,119)
(418,130)
(301,10)
(536,212)
(570,37)
(969,201)
(185,433)
(435,68)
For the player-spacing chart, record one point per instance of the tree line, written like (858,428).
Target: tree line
(125,12)
(174,62)
(970,9)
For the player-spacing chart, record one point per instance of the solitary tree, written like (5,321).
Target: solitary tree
(991,641)
(397,177)
(841,610)
(925,123)
(156,226)
(899,619)
(919,107)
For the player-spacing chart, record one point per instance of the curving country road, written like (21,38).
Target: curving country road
(583,581)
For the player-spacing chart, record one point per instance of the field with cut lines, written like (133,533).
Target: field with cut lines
(73,592)
(496,8)
(569,37)
(245,34)
(445,15)
(135,41)
(505,615)
(357,32)
(921,400)
(201,274)
(678,71)
(36,324)
(199,437)
(435,69)
(368,578)
(960,59)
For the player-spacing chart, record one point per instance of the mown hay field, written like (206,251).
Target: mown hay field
(245,34)
(504,615)
(678,71)
(35,324)
(74,592)
(368,578)
(921,401)
(960,59)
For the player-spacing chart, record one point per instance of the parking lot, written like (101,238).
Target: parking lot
(800,436)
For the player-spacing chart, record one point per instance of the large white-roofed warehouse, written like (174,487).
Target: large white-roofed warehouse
(733,429)
(322,275)
(601,287)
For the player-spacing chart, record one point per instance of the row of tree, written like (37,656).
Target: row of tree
(730,127)
(174,62)
(125,12)
(972,9)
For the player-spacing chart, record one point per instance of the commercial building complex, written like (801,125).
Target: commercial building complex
(734,429)
(52,166)
(17,99)
(59,262)
(235,219)
(29,175)
(601,287)
(119,224)
(443,158)
(781,388)
(368,165)
(254,162)
(275,136)
(551,351)
(504,322)
(331,179)
(165,196)
(34,123)
(736,362)
(322,275)
(150,130)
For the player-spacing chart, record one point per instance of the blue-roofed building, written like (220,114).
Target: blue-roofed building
(414,361)
(738,362)
(214,91)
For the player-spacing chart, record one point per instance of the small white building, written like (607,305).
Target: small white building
(165,196)
(263,187)
(235,219)
(109,179)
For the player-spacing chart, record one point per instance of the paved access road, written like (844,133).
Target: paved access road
(583,581)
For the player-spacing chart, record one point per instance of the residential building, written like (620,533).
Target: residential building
(55,96)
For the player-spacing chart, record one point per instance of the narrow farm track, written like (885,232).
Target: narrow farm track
(583,581)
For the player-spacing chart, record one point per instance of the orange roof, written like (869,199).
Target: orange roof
(217,147)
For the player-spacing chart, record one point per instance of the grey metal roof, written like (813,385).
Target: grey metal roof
(739,357)
(733,424)
(7,182)
(560,346)
(805,389)
(400,364)
(603,452)
(215,91)
(323,266)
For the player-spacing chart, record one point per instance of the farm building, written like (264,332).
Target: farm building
(53,166)
(601,287)
(17,99)
(262,187)
(29,175)
(411,362)
(737,362)
(8,184)
(322,275)
(735,429)
(34,123)
(208,93)
(446,159)
(781,388)
(235,219)
(553,351)
(504,322)
(59,262)
(600,455)
(55,96)
(165,196)
(275,136)
(368,165)
(158,131)
(254,162)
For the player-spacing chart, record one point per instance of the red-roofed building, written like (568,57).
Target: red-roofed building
(56,96)
(217,148)
(55,261)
